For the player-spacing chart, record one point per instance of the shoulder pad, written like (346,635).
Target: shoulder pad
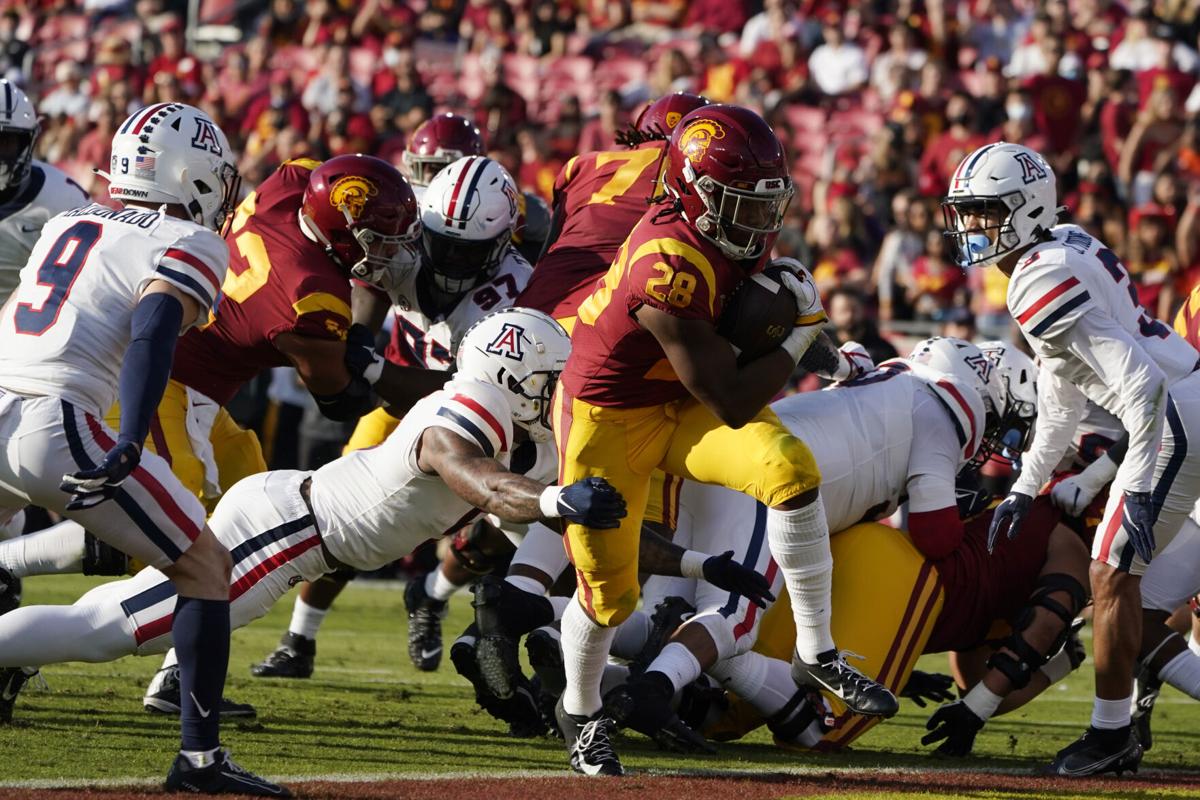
(1045,295)
(963,403)
(479,412)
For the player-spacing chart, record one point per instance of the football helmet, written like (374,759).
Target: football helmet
(173,153)
(1008,192)
(437,143)
(729,176)
(364,213)
(19,130)
(658,119)
(469,213)
(1018,378)
(522,352)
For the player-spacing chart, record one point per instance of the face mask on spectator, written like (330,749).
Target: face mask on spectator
(391,57)
(1018,112)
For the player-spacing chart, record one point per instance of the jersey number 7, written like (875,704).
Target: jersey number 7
(58,272)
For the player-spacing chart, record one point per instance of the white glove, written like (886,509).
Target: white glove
(1075,493)
(799,282)
(853,360)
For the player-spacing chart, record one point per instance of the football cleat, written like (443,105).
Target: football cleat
(11,681)
(504,613)
(1145,693)
(668,615)
(521,712)
(546,658)
(10,591)
(292,659)
(644,704)
(589,742)
(861,694)
(424,626)
(1098,752)
(162,697)
(222,776)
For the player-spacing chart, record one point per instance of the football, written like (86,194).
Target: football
(759,316)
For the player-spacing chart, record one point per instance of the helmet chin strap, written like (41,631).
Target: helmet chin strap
(313,233)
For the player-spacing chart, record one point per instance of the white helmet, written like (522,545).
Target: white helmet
(173,153)
(19,130)
(1012,188)
(469,212)
(1018,378)
(522,352)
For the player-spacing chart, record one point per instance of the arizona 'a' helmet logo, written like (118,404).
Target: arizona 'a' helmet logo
(508,342)
(696,138)
(1031,170)
(982,366)
(350,193)
(205,137)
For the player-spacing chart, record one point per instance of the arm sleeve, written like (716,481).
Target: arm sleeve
(146,367)
(195,264)
(1060,407)
(1128,372)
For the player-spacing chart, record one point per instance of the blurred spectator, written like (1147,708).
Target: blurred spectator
(716,16)
(1151,258)
(174,60)
(1018,127)
(322,95)
(1117,114)
(935,283)
(957,322)
(1147,45)
(776,21)
(408,99)
(1042,53)
(837,66)
(992,27)
(13,49)
(949,148)
(1148,146)
(672,72)
(1057,101)
(895,68)
(95,147)
(345,128)
(901,246)
(275,110)
(68,99)
(600,133)
(501,111)
(850,323)
(720,75)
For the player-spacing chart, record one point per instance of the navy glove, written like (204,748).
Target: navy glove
(931,686)
(89,487)
(361,359)
(725,573)
(592,502)
(1009,514)
(1138,522)
(955,726)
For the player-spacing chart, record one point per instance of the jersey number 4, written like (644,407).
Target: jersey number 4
(58,272)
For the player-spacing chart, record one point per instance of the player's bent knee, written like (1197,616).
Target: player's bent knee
(203,570)
(721,630)
(1017,659)
(609,608)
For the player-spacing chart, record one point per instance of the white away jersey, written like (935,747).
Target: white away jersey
(66,328)
(1079,312)
(422,341)
(47,192)
(374,506)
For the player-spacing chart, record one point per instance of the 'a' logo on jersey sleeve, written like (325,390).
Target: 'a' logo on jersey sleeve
(206,138)
(1031,170)
(508,342)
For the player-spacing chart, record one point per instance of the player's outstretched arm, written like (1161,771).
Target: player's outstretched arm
(707,367)
(659,556)
(488,485)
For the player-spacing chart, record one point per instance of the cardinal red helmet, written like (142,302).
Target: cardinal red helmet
(364,212)
(727,169)
(439,142)
(659,119)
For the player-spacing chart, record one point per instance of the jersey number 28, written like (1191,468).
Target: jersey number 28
(58,272)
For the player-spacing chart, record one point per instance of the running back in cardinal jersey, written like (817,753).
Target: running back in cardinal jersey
(374,506)
(598,198)
(429,339)
(279,281)
(47,192)
(66,328)
(667,265)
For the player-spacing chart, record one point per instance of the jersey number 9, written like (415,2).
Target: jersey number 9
(58,272)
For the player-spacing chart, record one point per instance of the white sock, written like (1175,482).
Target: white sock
(57,550)
(438,586)
(800,543)
(1194,644)
(12,527)
(631,635)
(765,683)
(585,652)
(678,663)
(527,584)
(1183,672)
(200,758)
(1110,714)
(306,619)
(169,660)
(560,605)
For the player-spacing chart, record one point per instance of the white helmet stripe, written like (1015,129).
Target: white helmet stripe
(460,201)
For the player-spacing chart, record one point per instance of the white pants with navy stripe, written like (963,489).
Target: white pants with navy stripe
(1175,489)
(152,518)
(266,526)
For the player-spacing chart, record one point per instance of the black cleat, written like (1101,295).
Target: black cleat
(667,617)
(222,776)
(1145,693)
(1098,752)
(10,591)
(589,742)
(496,650)
(861,694)
(162,697)
(11,681)
(644,704)
(546,658)
(424,626)
(292,659)
(521,712)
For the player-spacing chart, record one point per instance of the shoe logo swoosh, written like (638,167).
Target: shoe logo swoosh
(430,653)
(30,228)
(203,713)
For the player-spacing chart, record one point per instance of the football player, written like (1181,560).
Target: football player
(436,144)
(650,384)
(1078,310)
(468,268)
(101,304)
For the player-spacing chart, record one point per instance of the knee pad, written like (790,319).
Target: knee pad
(101,558)
(721,630)
(1023,660)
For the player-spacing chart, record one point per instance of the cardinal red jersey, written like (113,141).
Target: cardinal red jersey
(598,198)
(279,281)
(664,264)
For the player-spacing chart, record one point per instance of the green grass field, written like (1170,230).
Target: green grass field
(367,712)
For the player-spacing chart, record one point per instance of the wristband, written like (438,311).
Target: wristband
(691,564)
(548,502)
(800,339)
(982,701)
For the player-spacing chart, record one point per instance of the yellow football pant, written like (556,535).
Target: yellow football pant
(683,438)
(886,600)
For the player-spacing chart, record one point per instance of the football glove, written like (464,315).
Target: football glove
(854,360)
(725,573)
(89,487)
(1138,522)
(591,502)
(361,358)
(1009,514)
(931,686)
(1074,493)
(955,726)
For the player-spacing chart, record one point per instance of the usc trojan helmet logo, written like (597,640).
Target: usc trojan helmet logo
(673,118)
(350,193)
(696,138)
